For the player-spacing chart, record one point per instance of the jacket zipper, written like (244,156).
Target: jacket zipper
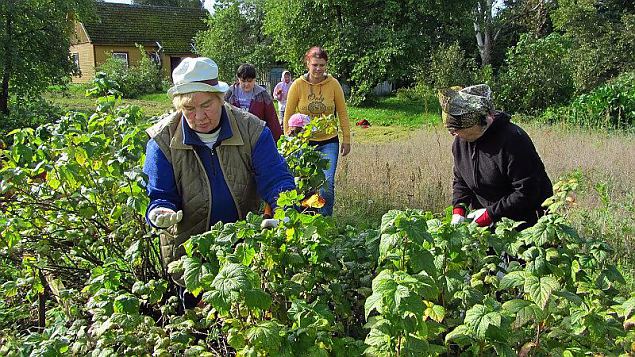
(209,211)
(230,191)
(475,163)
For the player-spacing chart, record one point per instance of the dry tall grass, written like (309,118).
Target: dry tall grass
(417,173)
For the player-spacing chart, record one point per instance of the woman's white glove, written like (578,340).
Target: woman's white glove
(269,223)
(457,218)
(164,217)
(272,222)
(480,217)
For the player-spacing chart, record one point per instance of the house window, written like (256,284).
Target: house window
(75,57)
(121,56)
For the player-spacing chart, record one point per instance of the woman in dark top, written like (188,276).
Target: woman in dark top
(497,171)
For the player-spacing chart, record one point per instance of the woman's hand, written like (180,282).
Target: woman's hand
(345,149)
(164,217)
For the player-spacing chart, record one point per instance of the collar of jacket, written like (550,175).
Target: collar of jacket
(185,137)
(500,119)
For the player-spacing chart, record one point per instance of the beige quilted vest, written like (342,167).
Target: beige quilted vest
(234,155)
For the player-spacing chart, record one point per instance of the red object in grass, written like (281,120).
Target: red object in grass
(363,123)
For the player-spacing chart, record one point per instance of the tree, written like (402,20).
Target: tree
(34,43)
(235,35)
(484,30)
(537,74)
(602,36)
(195,4)
(364,50)
(499,24)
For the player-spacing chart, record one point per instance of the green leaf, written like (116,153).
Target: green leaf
(530,312)
(435,312)
(126,304)
(491,319)
(614,275)
(389,246)
(422,260)
(257,298)
(513,279)
(571,297)
(388,221)
(628,306)
(133,253)
(245,254)
(373,302)
(193,270)
(10,288)
(516,305)
(232,278)
(461,335)
(220,302)
(416,229)
(541,289)
(414,345)
(157,289)
(379,335)
(504,350)
(426,286)
(265,337)
(474,315)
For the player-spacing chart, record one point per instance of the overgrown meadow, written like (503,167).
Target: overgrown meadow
(386,276)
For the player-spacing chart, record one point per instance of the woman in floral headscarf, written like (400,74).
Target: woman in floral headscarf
(497,171)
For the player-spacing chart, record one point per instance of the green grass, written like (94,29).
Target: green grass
(73,98)
(394,111)
(390,117)
(160,97)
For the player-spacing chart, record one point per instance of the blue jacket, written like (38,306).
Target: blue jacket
(270,170)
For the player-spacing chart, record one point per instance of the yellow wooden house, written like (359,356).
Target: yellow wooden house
(166,33)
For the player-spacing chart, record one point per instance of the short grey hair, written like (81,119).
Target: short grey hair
(181,100)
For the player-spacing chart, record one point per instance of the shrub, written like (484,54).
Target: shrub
(133,81)
(450,67)
(28,114)
(420,92)
(536,75)
(610,106)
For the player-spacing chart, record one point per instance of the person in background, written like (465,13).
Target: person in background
(280,92)
(497,171)
(250,97)
(315,94)
(207,162)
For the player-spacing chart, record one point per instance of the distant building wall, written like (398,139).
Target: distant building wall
(86,62)
(382,89)
(91,57)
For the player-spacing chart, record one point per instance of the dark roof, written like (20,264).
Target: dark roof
(173,27)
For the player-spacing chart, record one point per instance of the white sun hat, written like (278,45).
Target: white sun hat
(198,74)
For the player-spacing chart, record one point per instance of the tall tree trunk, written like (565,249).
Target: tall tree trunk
(483,30)
(6,72)
(542,19)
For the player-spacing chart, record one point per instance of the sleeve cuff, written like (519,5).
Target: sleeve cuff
(459,210)
(484,220)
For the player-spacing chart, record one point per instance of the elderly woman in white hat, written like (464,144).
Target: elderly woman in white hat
(208,162)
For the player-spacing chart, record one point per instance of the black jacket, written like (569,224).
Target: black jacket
(502,172)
